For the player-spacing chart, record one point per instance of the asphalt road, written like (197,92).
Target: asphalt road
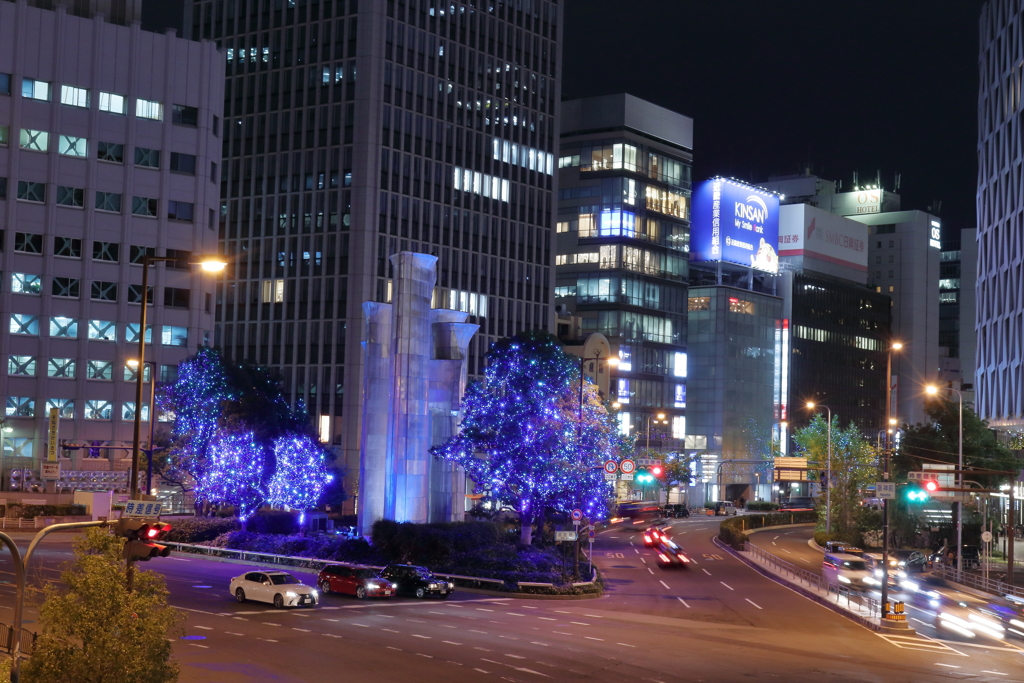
(717,622)
(973,615)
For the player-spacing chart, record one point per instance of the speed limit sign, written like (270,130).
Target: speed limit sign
(627,466)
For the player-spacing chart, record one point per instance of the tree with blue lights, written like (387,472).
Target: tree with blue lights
(235,471)
(520,438)
(300,473)
(238,441)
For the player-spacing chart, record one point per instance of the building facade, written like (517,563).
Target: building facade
(622,245)
(109,150)
(999,379)
(357,130)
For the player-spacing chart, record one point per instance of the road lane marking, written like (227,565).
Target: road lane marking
(726,585)
(205,628)
(450,642)
(473,630)
(999,673)
(361,625)
(664,584)
(643,560)
(420,654)
(270,623)
(753,603)
(596,616)
(625,645)
(232,633)
(562,633)
(706,571)
(534,642)
(205,647)
(514,656)
(651,571)
(950,666)
(685,604)
(416,635)
(592,638)
(547,619)
(580,623)
(306,630)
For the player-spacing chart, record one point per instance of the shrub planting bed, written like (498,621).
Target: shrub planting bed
(733,530)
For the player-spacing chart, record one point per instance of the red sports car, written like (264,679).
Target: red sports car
(358,581)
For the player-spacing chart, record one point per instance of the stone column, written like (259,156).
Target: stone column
(374,458)
(406,496)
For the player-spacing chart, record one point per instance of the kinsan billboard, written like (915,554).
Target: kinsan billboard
(736,223)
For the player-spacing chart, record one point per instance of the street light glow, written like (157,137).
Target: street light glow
(896,346)
(612,360)
(931,390)
(213,265)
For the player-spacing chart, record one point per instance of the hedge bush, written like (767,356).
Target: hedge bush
(64,510)
(733,530)
(434,544)
(274,522)
(319,546)
(762,505)
(198,529)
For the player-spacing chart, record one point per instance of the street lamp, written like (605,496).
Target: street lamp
(828,468)
(933,390)
(134,363)
(209,265)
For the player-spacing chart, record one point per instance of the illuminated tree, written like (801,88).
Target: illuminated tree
(300,473)
(235,470)
(520,438)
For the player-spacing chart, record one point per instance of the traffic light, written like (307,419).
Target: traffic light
(140,536)
(658,472)
(643,476)
(920,491)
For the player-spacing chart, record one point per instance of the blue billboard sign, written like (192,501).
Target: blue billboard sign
(736,223)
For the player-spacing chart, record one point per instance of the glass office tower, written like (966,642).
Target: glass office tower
(622,248)
(356,129)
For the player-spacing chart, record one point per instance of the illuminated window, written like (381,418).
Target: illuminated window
(109,102)
(679,363)
(741,306)
(26,283)
(21,365)
(65,407)
(680,396)
(74,97)
(678,427)
(35,90)
(71,146)
(666,201)
(35,140)
(148,109)
(622,393)
(98,410)
(699,303)
(21,406)
(273,291)
(625,359)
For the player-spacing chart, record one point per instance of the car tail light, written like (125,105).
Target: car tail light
(663,557)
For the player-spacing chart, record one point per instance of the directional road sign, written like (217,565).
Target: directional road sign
(885,489)
(565,536)
(611,467)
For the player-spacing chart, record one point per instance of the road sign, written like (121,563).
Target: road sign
(885,490)
(986,536)
(141,508)
(627,477)
(611,467)
(565,536)
(49,470)
(577,515)
(628,467)
(648,462)
(51,447)
(590,534)
(591,527)
(610,477)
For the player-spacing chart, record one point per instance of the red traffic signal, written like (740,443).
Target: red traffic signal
(931,486)
(657,471)
(139,535)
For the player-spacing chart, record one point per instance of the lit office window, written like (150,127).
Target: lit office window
(112,103)
(148,109)
(36,90)
(74,97)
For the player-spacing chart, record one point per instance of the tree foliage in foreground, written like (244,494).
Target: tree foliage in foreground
(95,631)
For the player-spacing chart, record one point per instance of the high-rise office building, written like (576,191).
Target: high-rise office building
(357,129)
(622,248)
(999,385)
(109,151)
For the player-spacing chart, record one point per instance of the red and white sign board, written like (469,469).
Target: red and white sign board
(611,467)
(577,515)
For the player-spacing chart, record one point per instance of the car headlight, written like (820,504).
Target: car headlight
(902,575)
(878,572)
(843,579)
(434,586)
(451,585)
(902,564)
(290,594)
(314,594)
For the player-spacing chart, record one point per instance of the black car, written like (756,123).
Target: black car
(417,581)
(676,510)
(671,555)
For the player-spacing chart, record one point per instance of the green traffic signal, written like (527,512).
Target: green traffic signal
(917,495)
(643,476)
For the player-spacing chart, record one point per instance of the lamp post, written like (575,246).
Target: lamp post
(152,415)
(208,265)
(889,425)
(828,469)
(933,390)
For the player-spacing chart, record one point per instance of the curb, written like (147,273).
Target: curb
(813,597)
(481,591)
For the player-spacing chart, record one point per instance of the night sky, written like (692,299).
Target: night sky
(775,86)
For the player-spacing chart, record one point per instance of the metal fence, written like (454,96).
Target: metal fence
(307,562)
(17,523)
(858,603)
(28,639)
(979,581)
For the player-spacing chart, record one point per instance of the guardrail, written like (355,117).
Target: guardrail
(860,604)
(17,523)
(28,639)
(988,585)
(303,562)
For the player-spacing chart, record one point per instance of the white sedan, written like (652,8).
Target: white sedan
(280,588)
